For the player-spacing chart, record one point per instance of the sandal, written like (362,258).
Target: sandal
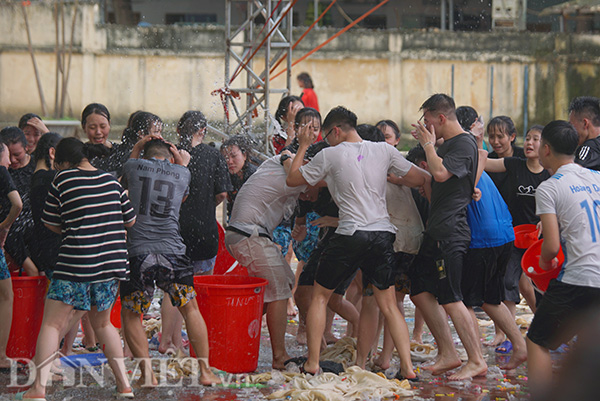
(504,348)
(401,378)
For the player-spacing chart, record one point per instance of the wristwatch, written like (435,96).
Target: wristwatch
(283,158)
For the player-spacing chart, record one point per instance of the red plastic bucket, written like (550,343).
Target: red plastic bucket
(530,263)
(225,263)
(232,309)
(28,311)
(525,235)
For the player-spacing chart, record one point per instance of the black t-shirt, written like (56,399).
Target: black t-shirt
(113,163)
(449,199)
(22,179)
(523,183)
(197,217)
(237,183)
(501,179)
(45,243)
(6,186)
(588,154)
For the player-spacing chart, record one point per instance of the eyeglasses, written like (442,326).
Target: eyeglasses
(329,132)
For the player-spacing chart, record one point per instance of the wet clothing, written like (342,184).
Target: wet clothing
(449,199)
(45,244)
(237,182)
(84,295)
(114,162)
(523,184)
(355,176)
(91,208)
(404,215)
(501,179)
(171,273)
(156,190)
(19,235)
(4,272)
(588,154)
(6,186)
(198,222)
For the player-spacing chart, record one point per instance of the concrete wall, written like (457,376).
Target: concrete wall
(378,74)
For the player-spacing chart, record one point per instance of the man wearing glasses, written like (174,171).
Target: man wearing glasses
(355,172)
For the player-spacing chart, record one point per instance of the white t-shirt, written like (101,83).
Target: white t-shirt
(356,175)
(405,216)
(573,195)
(265,199)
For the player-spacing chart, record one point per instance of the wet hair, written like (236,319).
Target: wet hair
(440,103)
(12,135)
(314,149)
(157,148)
(283,106)
(416,155)
(26,117)
(2,148)
(94,108)
(587,107)
(340,116)
(561,137)
(306,80)
(242,142)
(536,127)
(189,124)
(73,151)
(370,132)
(141,123)
(306,113)
(466,116)
(48,141)
(389,123)
(503,124)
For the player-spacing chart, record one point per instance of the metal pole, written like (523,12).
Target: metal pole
(525,101)
(267,84)
(443,16)
(451,15)
(289,51)
(227,56)
(492,93)
(247,125)
(315,11)
(452,87)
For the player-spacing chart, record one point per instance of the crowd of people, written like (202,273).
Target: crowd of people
(367,224)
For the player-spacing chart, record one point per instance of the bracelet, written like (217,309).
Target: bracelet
(427,143)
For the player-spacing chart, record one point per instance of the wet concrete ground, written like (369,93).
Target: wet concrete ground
(495,386)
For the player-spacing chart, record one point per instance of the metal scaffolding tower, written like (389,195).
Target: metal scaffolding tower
(263,30)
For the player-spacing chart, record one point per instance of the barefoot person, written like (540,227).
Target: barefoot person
(436,271)
(356,174)
(157,188)
(567,205)
(91,210)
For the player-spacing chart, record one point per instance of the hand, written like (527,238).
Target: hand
(306,134)
(299,232)
(553,264)
(325,221)
(293,109)
(139,146)
(185,157)
(422,134)
(476,194)
(38,125)
(394,179)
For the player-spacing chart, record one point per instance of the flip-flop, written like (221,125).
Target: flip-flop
(504,348)
(400,377)
(299,360)
(21,396)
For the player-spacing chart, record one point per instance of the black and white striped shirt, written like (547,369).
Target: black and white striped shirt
(91,208)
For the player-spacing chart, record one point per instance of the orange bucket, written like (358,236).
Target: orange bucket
(525,235)
(232,308)
(28,311)
(530,263)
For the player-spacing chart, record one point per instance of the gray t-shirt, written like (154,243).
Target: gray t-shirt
(156,190)
(356,175)
(573,195)
(264,200)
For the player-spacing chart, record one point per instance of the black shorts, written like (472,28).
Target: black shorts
(172,273)
(559,316)
(402,262)
(483,275)
(437,269)
(371,251)
(513,275)
(309,271)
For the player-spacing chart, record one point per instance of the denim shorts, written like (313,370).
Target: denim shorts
(82,296)
(4,272)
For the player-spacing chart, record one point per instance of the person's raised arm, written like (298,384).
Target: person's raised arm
(551,244)
(16,205)
(427,140)
(495,165)
(306,136)
(139,146)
